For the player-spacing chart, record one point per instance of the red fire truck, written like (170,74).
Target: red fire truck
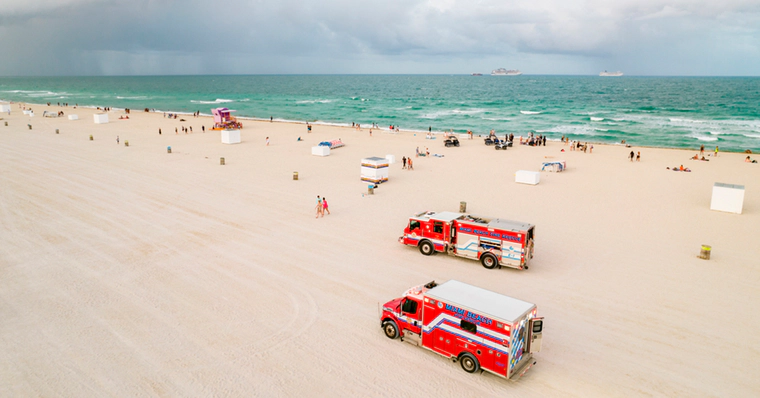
(494,242)
(479,328)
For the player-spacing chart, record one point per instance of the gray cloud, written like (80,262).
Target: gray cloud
(51,37)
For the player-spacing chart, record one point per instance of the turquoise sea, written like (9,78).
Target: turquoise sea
(672,112)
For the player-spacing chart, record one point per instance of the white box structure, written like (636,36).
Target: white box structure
(375,170)
(73,117)
(391,158)
(320,150)
(5,108)
(100,118)
(527,177)
(230,136)
(727,197)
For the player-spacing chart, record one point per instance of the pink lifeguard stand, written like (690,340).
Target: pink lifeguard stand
(223,119)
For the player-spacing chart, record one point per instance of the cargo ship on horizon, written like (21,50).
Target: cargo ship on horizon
(504,72)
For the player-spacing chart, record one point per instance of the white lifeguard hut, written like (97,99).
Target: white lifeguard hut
(230,136)
(527,177)
(320,150)
(375,169)
(727,197)
(100,118)
(5,108)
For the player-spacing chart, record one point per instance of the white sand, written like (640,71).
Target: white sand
(127,271)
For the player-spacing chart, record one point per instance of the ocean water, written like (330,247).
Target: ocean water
(671,112)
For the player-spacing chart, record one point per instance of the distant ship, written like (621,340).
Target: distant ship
(504,72)
(477,74)
(605,73)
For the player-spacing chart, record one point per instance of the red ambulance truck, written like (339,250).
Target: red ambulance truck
(494,242)
(481,329)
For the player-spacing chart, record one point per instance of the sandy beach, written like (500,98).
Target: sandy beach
(129,271)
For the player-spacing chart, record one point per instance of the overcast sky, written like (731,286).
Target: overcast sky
(160,37)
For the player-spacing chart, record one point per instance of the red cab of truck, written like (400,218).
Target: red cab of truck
(481,329)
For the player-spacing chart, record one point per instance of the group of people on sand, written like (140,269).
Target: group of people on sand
(322,207)
(577,146)
(406,163)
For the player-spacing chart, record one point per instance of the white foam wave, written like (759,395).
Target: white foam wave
(497,119)
(752,135)
(216,101)
(530,113)
(570,130)
(702,137)
(139,97)
(317,101)
(596,119)
(452,112)
(680,120)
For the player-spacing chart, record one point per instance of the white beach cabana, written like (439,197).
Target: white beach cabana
(100,118)
(230,136)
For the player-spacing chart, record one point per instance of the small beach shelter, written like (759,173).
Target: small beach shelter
(374,169)
(100,118)
(230,136)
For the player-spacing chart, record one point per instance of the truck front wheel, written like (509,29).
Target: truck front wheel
(489,261)
(390,329)
(426,248)
(469,363)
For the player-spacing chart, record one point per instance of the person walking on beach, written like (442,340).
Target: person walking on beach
(267,141)
(370,132)
(175,131)
(638,156)
(409,164)
(117,140)
(271,119)
(702,150)
(320,209)
(631,156)
(325,208)
(159,131)
(416,153)
(716,151)
(403,163)
(203,129)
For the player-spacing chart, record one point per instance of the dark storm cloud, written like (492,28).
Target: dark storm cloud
(393,36)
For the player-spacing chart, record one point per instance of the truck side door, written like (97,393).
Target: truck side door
(410,313)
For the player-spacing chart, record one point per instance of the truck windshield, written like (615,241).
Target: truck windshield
(414,224)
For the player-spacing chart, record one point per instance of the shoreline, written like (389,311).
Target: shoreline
(383,130)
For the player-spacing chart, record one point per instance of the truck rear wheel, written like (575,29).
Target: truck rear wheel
(489,261)
(390,329)
(469,363)
(426,248)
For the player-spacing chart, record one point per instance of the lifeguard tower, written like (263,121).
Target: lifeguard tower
(223,119)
